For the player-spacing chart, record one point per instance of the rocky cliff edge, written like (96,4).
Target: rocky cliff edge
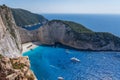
(10,42)
(12,65)
(15,69)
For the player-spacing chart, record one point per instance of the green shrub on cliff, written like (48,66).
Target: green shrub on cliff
(77,27)
(74,26)
(17,65)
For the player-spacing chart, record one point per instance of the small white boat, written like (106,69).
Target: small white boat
(75,59)
(60,78)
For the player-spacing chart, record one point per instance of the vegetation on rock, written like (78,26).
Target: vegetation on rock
(17,65)
(15,69)
(74,26)
(24,17)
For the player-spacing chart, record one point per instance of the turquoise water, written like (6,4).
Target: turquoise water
(96,22)
(48,63)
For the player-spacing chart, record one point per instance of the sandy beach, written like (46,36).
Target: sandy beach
(30,45)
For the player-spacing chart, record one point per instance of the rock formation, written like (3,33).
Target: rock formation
(12,65)
(10,43)
(28,36)
(77,36)
(15,69)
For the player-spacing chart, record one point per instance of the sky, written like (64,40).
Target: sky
(66,6)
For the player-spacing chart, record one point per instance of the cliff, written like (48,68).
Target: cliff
(10,43)
(28,36)
(77,36)
(12,65)
(24,17)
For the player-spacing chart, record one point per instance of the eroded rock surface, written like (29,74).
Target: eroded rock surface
(15,69)
(10,42)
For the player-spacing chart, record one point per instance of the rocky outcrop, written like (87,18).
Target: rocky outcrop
(78,38)
(12,65)
(15,69)
(10,43)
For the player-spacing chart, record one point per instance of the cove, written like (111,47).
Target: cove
(48,63)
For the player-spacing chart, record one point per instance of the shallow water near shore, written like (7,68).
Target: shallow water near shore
(48,63)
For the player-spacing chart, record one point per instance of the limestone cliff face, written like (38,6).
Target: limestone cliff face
(12,65)
(51,33)
(28,36)
(10,43)
(58,31)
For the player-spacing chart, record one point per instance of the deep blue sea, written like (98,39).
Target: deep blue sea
(48,63)
(96,22)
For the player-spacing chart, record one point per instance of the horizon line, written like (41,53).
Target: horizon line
(82,13)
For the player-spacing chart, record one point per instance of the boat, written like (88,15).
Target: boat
(74,59)
(60,78)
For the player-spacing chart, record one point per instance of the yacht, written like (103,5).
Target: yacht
(60,78)
(75,59)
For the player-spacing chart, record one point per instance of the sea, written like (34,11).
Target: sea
(49,62)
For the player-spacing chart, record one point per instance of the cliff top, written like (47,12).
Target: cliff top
(73,25)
